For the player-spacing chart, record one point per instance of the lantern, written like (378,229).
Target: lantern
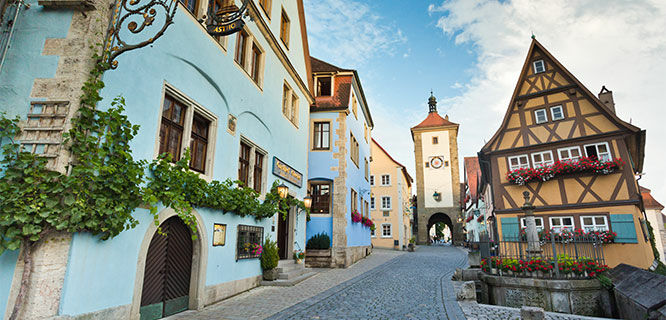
(283,190)
(307,201)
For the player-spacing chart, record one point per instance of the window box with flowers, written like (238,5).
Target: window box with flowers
(560,168)
(566,236)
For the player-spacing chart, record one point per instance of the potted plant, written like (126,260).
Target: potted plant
(412,242)
(269,260)
(299,255)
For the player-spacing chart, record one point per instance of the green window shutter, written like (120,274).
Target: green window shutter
(510,229)
(623,225)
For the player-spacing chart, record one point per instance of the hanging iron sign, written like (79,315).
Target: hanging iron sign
(226,18)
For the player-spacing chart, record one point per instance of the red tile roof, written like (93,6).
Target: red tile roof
(435,120)
(648,201)
(404,169)
(322,66)
(473,173)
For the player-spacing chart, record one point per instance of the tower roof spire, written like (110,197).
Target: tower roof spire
(432,103)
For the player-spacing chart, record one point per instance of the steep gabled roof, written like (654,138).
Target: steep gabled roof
(404,169)
(648,201)
(473,174)
(636,146)
(322,66)
(434,120)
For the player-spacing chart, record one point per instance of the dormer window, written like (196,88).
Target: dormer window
(324,86)
(539,66)
(540,116)
(557,113)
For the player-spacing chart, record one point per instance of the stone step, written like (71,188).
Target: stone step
(292,274)
(286,268)
(288,282)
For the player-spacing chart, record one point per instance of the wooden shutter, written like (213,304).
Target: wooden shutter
(623,225)
(510,229)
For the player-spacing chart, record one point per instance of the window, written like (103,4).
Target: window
(251,164)
(372,233)
(367,208)
(248,238)
(519,162)
(427,164)
(321,197)
(199,143)
(556,113)
(354,105)
(386,180)
(541,159)
(365,131)
(266,6)
(324,86)
(386,213)
(353,144)
(594,223)
(559,223)
(435,140)
(289,104)
(569,154)
(241,41)
(599,151)
(372,180)
(372,203)
(321,136)
(255,66)
(179,116)
(191,5)
(171,130)
(354,200)
(386,230)
(386,203)
(540,116)
(539,66)
(244,164)
(284,29)
(537,220)
(367,166)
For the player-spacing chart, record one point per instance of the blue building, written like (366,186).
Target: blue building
(339,162)
(244,97)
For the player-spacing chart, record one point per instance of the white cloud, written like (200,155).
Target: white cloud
(349,31)
(620,44)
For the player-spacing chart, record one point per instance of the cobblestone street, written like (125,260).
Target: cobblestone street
(385,285)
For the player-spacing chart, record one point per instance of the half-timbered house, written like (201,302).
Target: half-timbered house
(575,157)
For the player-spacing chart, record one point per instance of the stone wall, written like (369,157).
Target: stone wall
(639,294)
(581,297)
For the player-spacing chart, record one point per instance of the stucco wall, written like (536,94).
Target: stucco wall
(438,180)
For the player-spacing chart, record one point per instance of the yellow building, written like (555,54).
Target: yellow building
(389,204)
(552,121)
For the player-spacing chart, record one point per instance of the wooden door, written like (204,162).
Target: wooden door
(283,237)
(166,280)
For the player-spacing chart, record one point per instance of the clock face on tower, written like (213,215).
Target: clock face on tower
(436,162)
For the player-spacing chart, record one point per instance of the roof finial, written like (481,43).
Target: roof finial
(533,36)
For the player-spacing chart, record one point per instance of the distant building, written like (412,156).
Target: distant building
(476,215)
(390,200)
(339,161)
(437,173)
(657,220)
(553,121)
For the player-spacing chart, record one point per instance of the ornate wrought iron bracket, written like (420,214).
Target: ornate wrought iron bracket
(130,19)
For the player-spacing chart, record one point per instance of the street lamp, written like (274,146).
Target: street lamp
(283,190)
(307,201)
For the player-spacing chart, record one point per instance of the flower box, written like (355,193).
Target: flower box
(560,168)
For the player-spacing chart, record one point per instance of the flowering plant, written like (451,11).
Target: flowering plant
(254,248)
(581,267)
(567,235)
(479,219)
(299,255)
(356,217)
(469,218)
(558,168)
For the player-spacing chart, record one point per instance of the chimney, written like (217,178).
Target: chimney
(606,96)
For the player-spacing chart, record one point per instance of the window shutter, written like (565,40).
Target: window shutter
(623,225)
(510,229)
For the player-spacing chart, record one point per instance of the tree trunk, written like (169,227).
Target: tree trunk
(25,278)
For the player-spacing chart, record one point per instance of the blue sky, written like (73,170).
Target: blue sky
(470,53)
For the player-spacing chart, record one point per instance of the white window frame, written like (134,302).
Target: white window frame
(390,229)
(552,112)
(388,183)
(372,203)
(390,203)
(543,162)
(254,148)
(543,66)
(372,180)
(192,108)
(523,223)
(594,225)
(317,93)
(596,146)
(520,166)
(562,226)
(536,116)
(569,157)
(290,106)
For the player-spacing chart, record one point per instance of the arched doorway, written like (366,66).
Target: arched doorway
(440,218)
(166,280)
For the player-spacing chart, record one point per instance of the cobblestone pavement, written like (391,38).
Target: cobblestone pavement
(385,285)
(475,311)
